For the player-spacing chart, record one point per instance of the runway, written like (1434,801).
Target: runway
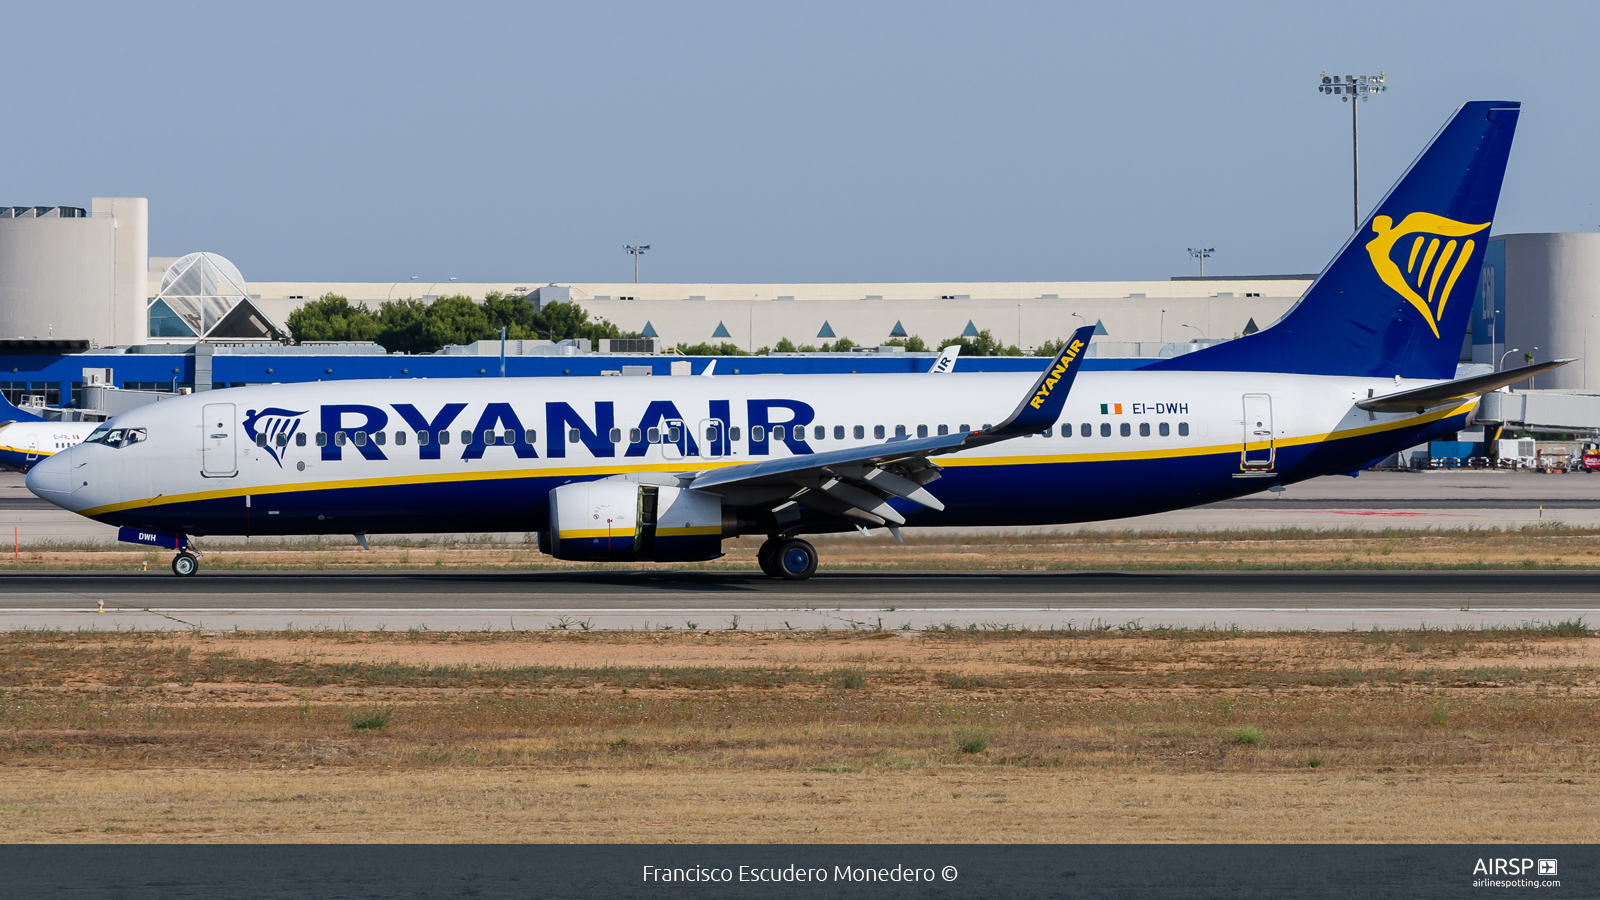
(641,601)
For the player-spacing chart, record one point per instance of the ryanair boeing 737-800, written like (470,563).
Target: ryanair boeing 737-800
(664,469)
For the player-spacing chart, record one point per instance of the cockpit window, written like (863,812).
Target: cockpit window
(116,437)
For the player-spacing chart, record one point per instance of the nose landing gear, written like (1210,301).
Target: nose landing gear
(185,563)
(789,558)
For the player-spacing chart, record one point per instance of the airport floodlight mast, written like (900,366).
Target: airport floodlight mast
(1201,253)
(1353,89)
(636,251)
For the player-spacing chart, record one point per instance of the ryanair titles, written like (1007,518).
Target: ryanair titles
(1062,364)
(364,429)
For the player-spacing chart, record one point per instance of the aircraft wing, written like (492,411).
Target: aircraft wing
(1434,395)
(858,483)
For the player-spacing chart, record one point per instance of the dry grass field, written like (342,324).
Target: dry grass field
(955,736)
(1549,546)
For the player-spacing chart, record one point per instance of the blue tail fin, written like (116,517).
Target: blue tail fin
(9,413)
(1395,300)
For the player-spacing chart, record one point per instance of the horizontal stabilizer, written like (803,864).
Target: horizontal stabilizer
(1434,395)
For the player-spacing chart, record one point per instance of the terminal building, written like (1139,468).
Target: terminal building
(84,305)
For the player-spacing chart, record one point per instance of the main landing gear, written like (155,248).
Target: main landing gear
(788,558)
(185,563)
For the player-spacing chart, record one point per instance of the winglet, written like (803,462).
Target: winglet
(708,369)
(1040,409)
(946,363)
(11,413)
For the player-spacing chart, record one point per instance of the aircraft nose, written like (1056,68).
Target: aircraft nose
(51,479)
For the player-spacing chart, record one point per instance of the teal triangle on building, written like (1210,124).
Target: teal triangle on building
(827,330)
(899,330)
(1251,328)
(649,331)
(721,332)
(1099,327)
(970,331)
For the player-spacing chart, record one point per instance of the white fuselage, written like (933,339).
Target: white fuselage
(410,456)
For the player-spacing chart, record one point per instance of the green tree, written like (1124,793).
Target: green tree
(402,327)
(1050,348)
(913,344)
(785,346)
(457,320)
(982,345)
(332,318)
(707,349)
(513,312)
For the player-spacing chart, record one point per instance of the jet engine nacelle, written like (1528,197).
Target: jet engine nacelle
(616,521)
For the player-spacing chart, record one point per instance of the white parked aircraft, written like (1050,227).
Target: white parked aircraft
(641,469)
(26,438)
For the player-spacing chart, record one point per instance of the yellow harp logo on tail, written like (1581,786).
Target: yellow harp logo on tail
(1435,255)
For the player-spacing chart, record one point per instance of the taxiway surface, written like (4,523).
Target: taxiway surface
(686,600)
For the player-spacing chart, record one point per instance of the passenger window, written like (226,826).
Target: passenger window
(532,434)
(1165,429)
(466,436)
(673,434)
(1144,429)
(654,435)
(733,433)
(510,436)
(322,439)
(444,437)
(339,439)
(711,433)
(778,433)
(423,437)
(899,431)
(1183,429)
(261,440)
(1105,429)
(282,440)
(860,432)
(399,438)
(819,433)
(616,435)
(922,431)
(965,428)
(944,430)
(877,432)
(1126,429)
(757,433)
(488,436)
(1050,431)
(633,435)
(573,437)
(1086,430)
(381,437)
(300,439)
(1066,429)
(361,439)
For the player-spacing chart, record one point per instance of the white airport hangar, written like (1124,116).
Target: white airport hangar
(85,275)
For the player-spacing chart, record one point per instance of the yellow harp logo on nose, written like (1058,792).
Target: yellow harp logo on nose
(1426,261)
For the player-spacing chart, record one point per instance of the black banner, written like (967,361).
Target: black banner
(809,871)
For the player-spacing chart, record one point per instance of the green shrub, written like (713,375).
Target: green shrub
(1249,734)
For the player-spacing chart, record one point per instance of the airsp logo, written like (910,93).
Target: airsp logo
(1504,866)
(1435,255)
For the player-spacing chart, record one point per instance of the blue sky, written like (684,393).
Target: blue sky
(773,142)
